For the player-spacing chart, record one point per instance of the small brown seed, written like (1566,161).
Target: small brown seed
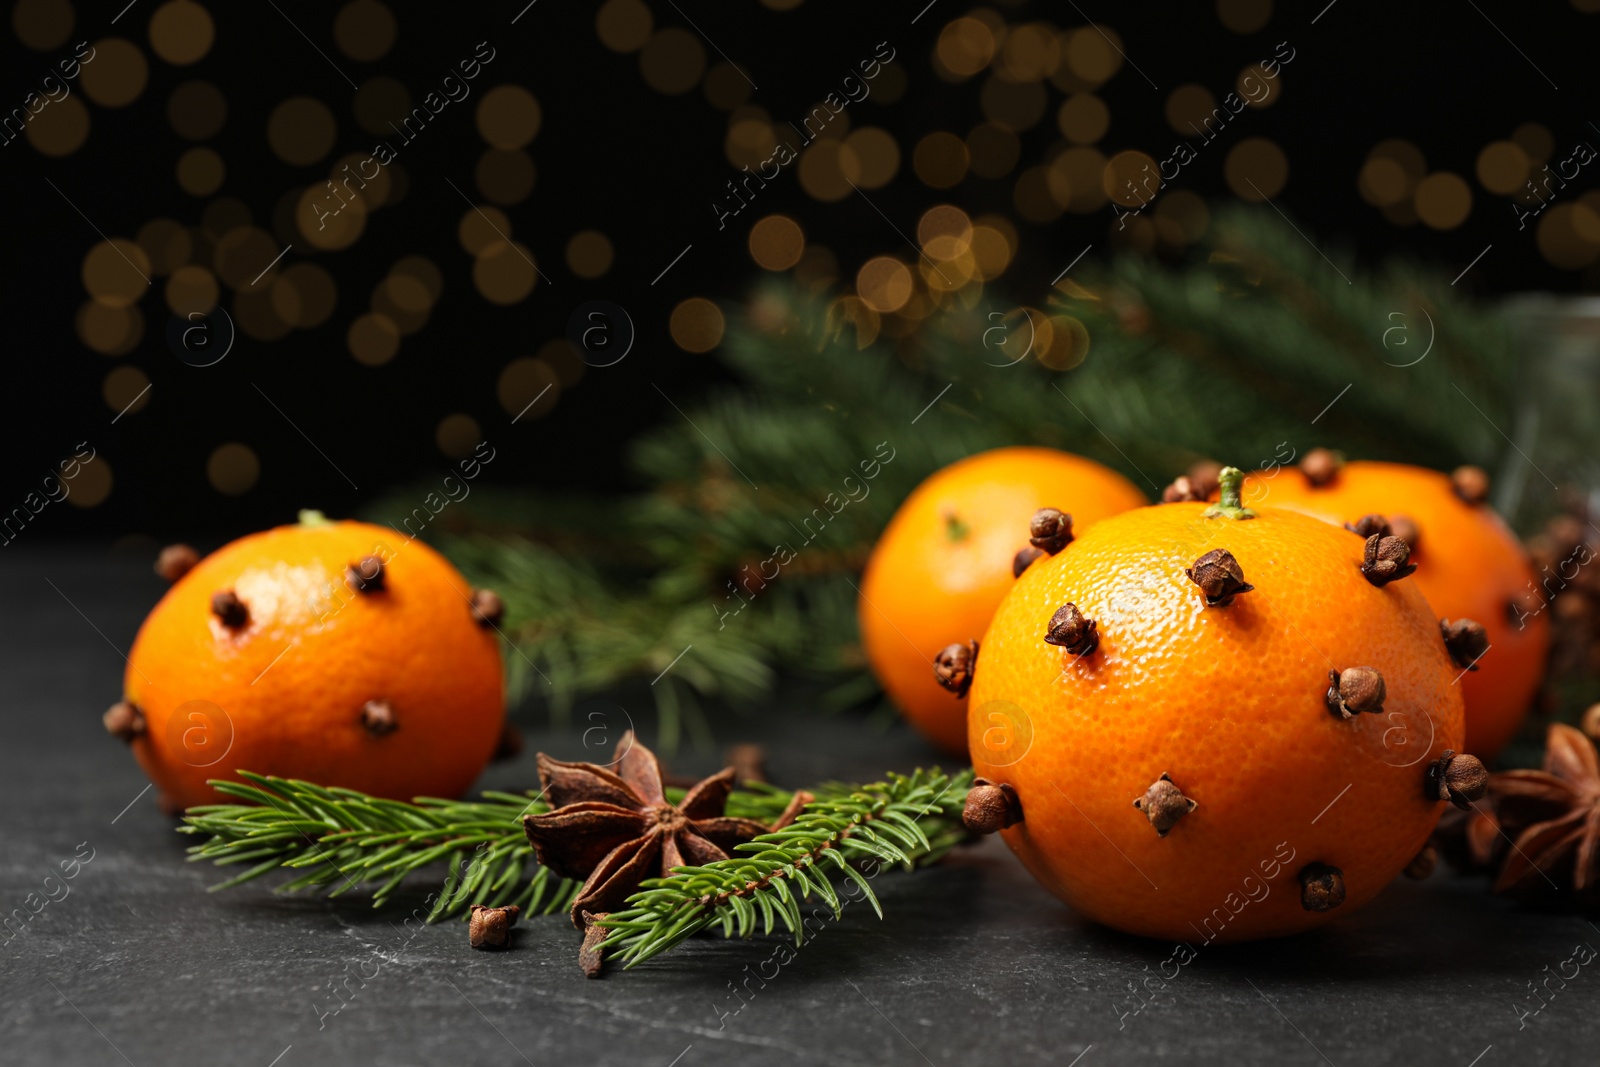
(491,927)
(366,575)
(990,807)
(1355,690)
(229,609)
(1386,559)
(1422,865)
(1164,804)
(124,721)
(1321,466)
(1182,490)
(1205,477)
(378,717)
(1023,558)
(487,607)
(1050,530)
(1471,484)
(1368,525)
(1321,887)
(1219,577)
(1465,640)
(1591,723)
(590,958)
(1072,630)
(1457,777)
(953,667)
(1405,528)
(175,561)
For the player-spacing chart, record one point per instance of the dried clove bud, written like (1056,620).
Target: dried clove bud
(1405,528)
(1355,690)
(590,957)
(1368,525)
(229,609)
(487,607)
(1465,640)
(365,575)
(1023,558)
(1205,477)
(1072,630)
(1471,484)
(1457,777)
(124,721)
(991,807)
(378,717)
(1321,466)
(175,561)
(1422,865)
(954,665)
(1321,887)
(1183,490)
(1164,804)
(1050,530)
(491,927)
(1386,559)
(1219,577)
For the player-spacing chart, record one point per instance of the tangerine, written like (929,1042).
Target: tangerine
(1469,564)
(316,651)
(1214,723)
(946,559)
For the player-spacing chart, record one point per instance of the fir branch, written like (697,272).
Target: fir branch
(909,820)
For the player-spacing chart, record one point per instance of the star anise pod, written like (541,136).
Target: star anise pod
(1553,818)
(614,829)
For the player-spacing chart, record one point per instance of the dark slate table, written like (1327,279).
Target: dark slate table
(973,964)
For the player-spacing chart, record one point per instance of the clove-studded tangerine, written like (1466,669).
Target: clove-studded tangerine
(330,651)
(1186,780)
(1469,566)
(953,549)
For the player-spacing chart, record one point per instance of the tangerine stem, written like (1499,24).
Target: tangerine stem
(1231,506)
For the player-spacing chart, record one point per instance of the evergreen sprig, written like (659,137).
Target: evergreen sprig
(908,820)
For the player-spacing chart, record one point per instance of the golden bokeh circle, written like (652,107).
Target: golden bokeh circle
(1586,218)
(945,232)
(301,131)
(1503,167)
(197,110)
(529,381)
(305,296)
(181,32)
(118,73)
(1383,182)
(589,254)
(672,61)
(457,435)
(992,150)
(1536,140)
(1094,53)
(504,273)
(200,171)
(423,270)
(1187,211)
(940,159)
(991,251)
(1266,92)
(696,325)
(505,176)
(509,116)
(750,141)
(1076,180)
(116,272)
(242,254)
(1064,345)
(125,390)
(884,284)
(1130,178)
(1244,16)
(965,47)
(167,244)
(1084,118)
(1256,169)
(1560,242)
(233,468)
(404,301)
(624,25)
(559,354)
(191,291)
(1188,108)
(111,331)
(877,155)
(481,227)
(373,340)
(60,129)
(827,169)
(92,484)
(1031,52)
(42,25)
(1444,200)
(364,30)
(347,174)
(777,242)
(379,102)
(328,222)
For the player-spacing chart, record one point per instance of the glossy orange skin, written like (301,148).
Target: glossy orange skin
(285,692)
(923,590)
(1230,702)
(1469,565)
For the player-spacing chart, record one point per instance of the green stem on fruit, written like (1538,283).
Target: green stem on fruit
(1231,506)
(313,517)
